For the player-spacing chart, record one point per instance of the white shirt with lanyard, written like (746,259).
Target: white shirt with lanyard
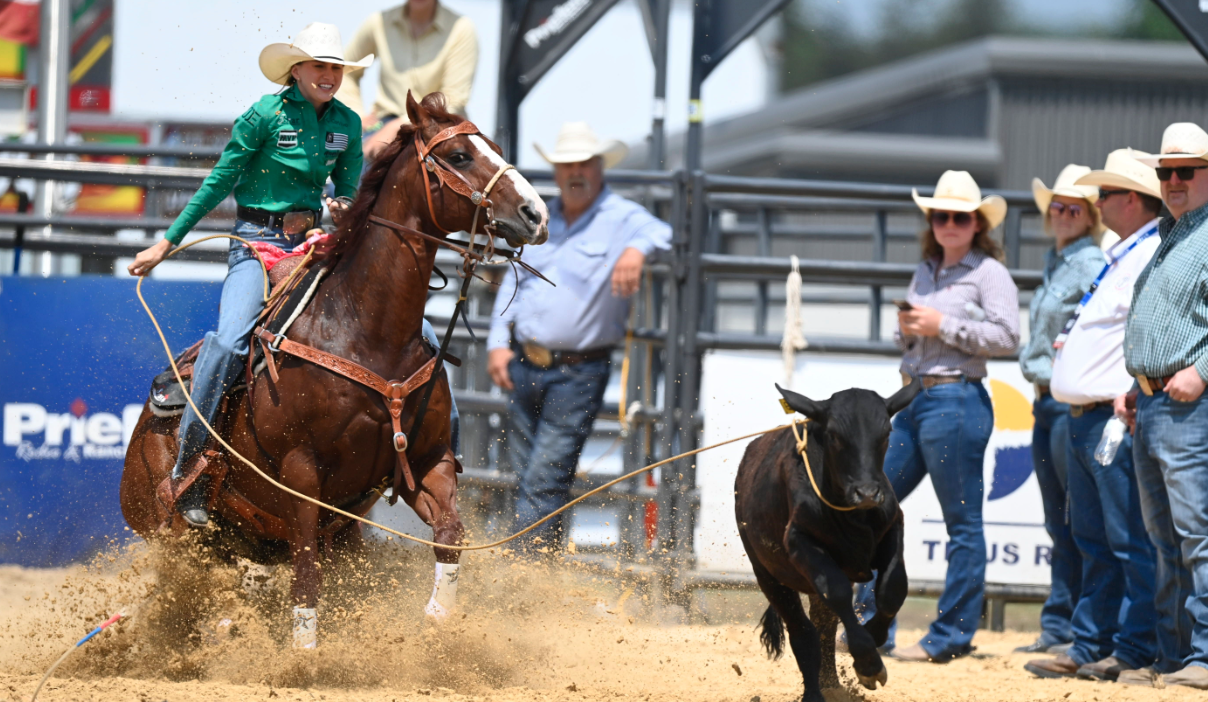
(1089,366)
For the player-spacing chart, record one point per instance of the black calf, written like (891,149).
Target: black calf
(799,544)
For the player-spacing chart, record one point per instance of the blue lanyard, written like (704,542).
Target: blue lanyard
(1069,326)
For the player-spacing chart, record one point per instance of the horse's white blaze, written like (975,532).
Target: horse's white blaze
(523,187)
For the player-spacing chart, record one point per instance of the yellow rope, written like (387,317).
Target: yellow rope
(189,396)
(802,440)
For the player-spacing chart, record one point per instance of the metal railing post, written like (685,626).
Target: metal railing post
(684,517)
(1011,236)
(880,238)
(674,360)
(764,234)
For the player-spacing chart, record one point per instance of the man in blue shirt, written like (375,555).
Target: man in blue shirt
(550,347)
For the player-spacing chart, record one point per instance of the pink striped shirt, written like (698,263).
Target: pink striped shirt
(980,304)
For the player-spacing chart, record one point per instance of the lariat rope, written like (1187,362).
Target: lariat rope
(793,339)
(476,547)
(802,439)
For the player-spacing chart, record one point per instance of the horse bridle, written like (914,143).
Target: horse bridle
(431,166)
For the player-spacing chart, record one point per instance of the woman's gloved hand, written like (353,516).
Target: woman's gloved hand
(338,208)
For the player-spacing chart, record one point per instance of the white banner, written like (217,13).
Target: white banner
(738,397)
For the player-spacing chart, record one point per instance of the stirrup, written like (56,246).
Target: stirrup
(192,504)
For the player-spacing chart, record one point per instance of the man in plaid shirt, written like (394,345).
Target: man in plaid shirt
(1166,350)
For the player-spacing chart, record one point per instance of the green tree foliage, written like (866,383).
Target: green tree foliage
(819,44)
(1147,21)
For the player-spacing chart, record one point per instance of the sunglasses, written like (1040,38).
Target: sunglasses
(1184,172)
(1104,194)
(961,219)
(1058,208)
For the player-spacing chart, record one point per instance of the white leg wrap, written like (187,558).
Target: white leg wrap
(306,628)
(444,592)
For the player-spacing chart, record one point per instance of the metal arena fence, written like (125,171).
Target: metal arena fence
(719,287)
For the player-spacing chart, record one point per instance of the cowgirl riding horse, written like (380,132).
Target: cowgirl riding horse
(281,154)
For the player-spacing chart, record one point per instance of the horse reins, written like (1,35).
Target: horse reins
(432,165)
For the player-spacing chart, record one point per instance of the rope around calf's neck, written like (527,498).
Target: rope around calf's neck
(802,439)
(477,547)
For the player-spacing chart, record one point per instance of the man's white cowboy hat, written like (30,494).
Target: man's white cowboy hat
(1180,140)
(1066,185)
(577,142)
(318,42)
(956,191)
(1125,172)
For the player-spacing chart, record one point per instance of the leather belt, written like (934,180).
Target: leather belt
(1151,385)
(1079,410)
(291,223)
(544,358)
(930,381)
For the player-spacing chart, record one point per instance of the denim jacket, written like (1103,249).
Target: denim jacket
(1068,274)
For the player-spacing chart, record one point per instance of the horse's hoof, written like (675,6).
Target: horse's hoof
(870,681)
(435,612)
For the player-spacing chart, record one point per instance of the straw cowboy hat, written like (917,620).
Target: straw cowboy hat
(577,142)
(318,42)
(956,191)
(1125,172)
(1067,186)
(1180,140)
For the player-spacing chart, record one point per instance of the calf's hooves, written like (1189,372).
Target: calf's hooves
(870,681)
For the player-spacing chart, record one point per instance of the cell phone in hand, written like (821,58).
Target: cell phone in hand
(903,305)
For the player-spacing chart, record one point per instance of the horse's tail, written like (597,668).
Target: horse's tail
(772,636)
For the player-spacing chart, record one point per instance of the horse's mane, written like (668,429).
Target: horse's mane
(357,221)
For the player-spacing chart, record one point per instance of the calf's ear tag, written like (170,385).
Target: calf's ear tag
(784,404)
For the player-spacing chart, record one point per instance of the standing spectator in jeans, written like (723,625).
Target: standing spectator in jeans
(964,309)
(1166,350)
(1070,268)
(1113,621)
(550,346)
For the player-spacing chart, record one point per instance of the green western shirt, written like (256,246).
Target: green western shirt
(1167,327)
(279,158)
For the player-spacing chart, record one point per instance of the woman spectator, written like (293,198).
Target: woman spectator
(962,308)
(1071,218)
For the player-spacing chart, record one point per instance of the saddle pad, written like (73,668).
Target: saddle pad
(297,301)
(299,297)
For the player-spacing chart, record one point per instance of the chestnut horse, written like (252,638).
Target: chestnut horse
(320,433)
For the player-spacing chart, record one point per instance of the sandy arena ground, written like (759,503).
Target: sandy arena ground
(528,633)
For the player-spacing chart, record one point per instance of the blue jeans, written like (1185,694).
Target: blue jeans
(1050,440)
(550,418)
(1170,450)
(944,433)
(222,352)
(1115,615)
